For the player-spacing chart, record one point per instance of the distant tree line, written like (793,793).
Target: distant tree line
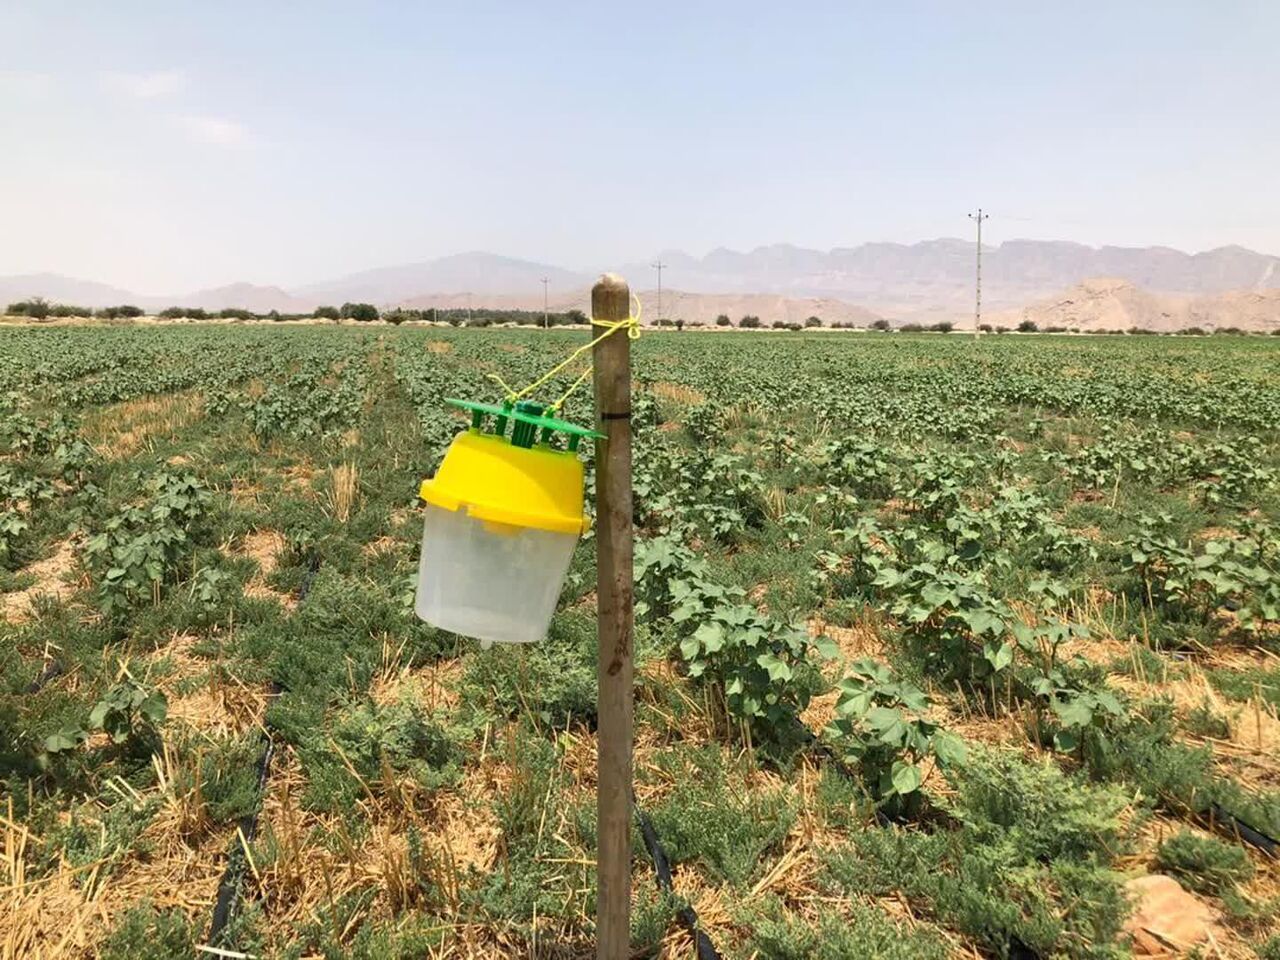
(38,308)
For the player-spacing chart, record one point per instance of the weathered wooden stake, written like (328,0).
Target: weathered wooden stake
(615,587)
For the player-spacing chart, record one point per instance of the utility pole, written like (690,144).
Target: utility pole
(659,266)
(545,281)
(977,284)
(615,599)
(468,308)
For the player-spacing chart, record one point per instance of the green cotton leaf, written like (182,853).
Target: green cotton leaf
(689,647)
(888,725)
(1072,713)
(936,594)
(154,708)
(998,655)
(905,777)
(826,647)
(711,636)
(984,622)
(853,702)
(1065,741)
(1110,703)
(68,738)
(98,715)
(734,686)
(775,667)
(912,698)
(949,749)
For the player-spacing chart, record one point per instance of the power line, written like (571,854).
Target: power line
(659,266)
(977,277)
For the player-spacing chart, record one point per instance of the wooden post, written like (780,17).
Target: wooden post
(615,587)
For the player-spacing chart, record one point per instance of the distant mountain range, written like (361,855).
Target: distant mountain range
(930,280)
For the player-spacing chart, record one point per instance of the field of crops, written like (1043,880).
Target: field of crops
(942,647)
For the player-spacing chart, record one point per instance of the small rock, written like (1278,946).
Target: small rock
(1167,921)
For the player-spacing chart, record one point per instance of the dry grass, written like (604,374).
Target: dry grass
(52,579)
(319,859)
(121,429)
(678,393)
(433,687)
(342,491)
(376,548)
(264,547)
(68,912)
(298,477)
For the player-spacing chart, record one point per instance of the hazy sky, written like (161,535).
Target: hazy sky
(170,146)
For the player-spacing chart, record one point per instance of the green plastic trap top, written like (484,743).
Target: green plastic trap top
(526,418)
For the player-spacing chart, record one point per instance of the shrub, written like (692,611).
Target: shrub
(724,321)
(1044,813)
(359,312)
(145,933)
(371,741)
(813,322)
(236,313)
(123,312)
(779,325)
(881,324)
(172,313)
(911,328)
(986,327)
(942,326)
(867,931)
(710,821)
(1027,326)
(399,315)
(749,322)
(1205,864)
(69,310)
(37,308)
(326,313)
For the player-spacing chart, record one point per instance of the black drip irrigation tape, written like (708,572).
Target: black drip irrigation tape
(1243,831)
(313,567)
(232,882)
(233,877)
(52,670)
(704,948)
